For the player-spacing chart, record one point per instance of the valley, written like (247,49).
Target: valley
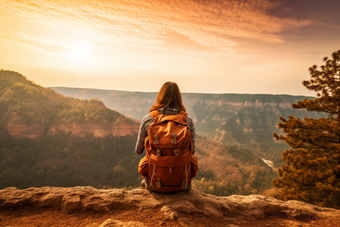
(245,120)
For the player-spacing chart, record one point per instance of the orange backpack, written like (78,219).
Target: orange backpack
(169,151)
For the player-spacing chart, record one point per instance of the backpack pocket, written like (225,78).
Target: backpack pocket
(170,171)
(169,176)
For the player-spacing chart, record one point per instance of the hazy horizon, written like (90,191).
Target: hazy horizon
(87,88)
(210,46)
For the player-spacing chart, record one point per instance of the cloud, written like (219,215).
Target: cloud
(147,23)
(22,39)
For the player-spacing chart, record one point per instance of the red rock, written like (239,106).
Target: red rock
(119,128)
(181,206)
(20,130)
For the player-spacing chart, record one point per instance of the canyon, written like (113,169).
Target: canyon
(245,120)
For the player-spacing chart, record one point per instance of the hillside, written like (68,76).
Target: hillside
(228,170)
(28,110)
(49,139)
(88,206)
(65,160)
(245,120)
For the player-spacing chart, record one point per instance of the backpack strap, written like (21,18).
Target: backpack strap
(185,114)
(154,113)
(157,112)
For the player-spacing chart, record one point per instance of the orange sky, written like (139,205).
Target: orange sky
(226,46)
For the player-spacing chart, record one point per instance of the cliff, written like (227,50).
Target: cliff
(28,110)
(88,206)
(18,129)
(118,128)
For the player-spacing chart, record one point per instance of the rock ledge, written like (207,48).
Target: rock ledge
(185,208)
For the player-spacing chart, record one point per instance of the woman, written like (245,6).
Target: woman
(169,102)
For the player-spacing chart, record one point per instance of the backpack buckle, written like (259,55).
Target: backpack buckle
(176,152)
(156,139)
(159,152)
(174,138)
(158,183)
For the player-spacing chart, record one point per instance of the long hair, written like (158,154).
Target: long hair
(168,95)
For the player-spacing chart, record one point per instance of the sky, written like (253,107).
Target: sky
(206,46)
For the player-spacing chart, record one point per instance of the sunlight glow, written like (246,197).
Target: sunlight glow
(80,52)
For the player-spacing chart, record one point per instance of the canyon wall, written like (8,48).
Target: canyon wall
(119,128)
(20,130)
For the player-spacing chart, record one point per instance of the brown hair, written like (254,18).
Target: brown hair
(168,95)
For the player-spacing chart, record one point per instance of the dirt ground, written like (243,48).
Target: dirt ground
(29,216)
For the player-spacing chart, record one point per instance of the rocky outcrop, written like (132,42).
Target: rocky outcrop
(20,130)
(81,129)
(191,208)
(123,128)
(118,128)
(256,104)
(116,223)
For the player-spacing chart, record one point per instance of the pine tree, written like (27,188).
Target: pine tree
(312,170)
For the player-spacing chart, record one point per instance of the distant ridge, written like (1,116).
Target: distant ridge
(74,91)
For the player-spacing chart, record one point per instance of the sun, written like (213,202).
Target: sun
(80,52)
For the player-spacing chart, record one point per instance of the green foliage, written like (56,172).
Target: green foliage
(206,174)
(226,170)
(312,169)
(65,161)
(110,162)
(217,188)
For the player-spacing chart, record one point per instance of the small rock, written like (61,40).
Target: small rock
(212,212)
(232,221)
(292,223)
(89,206)
(103,207)
(169,214)
(186,207)
(299,214)
(116,223)
(70,203)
